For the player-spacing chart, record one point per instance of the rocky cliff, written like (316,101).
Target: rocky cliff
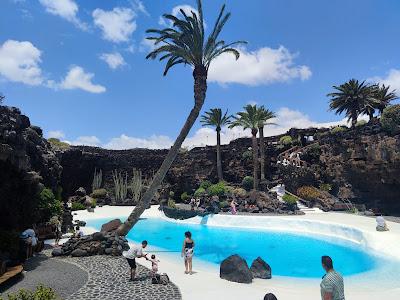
(27,163)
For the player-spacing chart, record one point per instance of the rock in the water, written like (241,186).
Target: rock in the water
(57,252)
(78,253)
(234,268)
(111,226)
(260,269)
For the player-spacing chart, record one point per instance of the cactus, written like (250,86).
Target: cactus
(136,185)
(97,180)
(120,185)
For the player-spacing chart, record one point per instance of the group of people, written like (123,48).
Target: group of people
(137,252)
(195,203)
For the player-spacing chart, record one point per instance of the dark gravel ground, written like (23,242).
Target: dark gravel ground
(63,277)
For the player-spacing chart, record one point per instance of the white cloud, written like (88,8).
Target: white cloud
(66,9)
(392,79)
(127,142)
(86,141)
(19,62)
(77,78)
(147,45)
(117,25)
(114,60)
(176,11)
(58,134)
(139,6)
(262,67)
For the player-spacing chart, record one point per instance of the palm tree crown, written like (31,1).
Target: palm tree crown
(185,42)
(383,97)
(215,118)
(248,119)
(353,98)
(264,116)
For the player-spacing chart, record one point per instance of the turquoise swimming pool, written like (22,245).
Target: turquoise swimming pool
(287,253)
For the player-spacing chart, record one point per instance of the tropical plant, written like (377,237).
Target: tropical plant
(184,43)
(247,155)
(41,293)
(265,116)
(49,206)
(99,194)
(120,185)
(290,200)
(286,140)
(250,119)
(77,206)
(200,192)
(383,97)
(248,183)
(97,179)
(353,98)
(218,189)
(136,186)
(215,118)
(171,203)
(184,196)
(205,184)
(390,119)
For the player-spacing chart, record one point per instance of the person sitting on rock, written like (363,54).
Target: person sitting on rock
(131,255)
(381,224)
(78,232)
(270,296)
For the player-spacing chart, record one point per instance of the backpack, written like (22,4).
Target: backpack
(160,279)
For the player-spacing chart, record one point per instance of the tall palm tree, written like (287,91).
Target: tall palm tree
(183,43)
(250,119)
(265,115)
(383,97)
(215,118)
(353,98)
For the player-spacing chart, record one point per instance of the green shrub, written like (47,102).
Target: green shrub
(308,193)
(205,184)
(217,189)
(184,196)
(56,143)
(290,199)
(223,204)
(99,194)
(247,155)
(77,206)
(286,140)
(239,192)
(338,129)
(200,192)
(93,203)
(325,187)
(361,123)
(49,206)
(390,119)
(171,194)
(171,203)
(41,293)
(247,183)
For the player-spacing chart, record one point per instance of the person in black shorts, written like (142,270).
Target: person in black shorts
(131,255)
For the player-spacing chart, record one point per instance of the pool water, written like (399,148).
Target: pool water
(288,254)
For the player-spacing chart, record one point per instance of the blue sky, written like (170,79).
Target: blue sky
(78,68)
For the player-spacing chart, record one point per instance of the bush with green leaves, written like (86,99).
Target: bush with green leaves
(41,293)
(223,204)
(247,183)
(361,123)
(290,199)
(308,193)
(390,119)
(205,184)
(218,189)
(247,155)
(327,187)
(338,129)
(200,192)
(49,206)
(99,194)
(171,194)
(77,206)
(171,203)
(184,196)
(239,192)
(286,140)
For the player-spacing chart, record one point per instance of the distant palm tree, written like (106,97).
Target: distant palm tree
(250,119)
(353,98)
(265,115)
(215,118)
(184,43)
(383,97)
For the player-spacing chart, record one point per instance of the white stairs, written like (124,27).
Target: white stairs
(308,210)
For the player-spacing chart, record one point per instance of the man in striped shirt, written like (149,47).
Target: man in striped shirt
(332,286)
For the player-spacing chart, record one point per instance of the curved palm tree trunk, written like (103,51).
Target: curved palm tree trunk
(200,88)
(255,157)
(262,152)
(219,161)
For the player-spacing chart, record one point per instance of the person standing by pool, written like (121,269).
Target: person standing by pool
(233,207)
(188,252)
(332,286)
(131,255)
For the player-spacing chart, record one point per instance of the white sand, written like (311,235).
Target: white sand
(206,284)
